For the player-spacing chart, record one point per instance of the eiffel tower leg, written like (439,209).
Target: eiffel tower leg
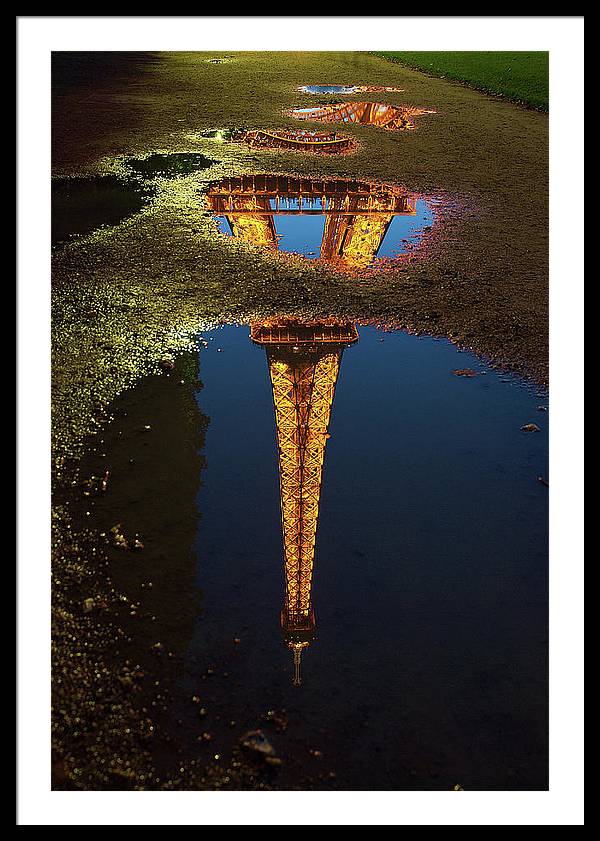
(303,390)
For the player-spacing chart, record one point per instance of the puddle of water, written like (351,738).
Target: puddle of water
(80,205)
(350,224)
(372,556)
(348,89)
(422,601)
(168,166)
(379,114)
(329,143)
(217,134)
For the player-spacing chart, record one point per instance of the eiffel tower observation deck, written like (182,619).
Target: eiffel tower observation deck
(304,361)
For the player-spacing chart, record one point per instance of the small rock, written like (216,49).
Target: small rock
(279,719)
(464,372)
(530,427)
(257,743)
(88,605)
(118,538)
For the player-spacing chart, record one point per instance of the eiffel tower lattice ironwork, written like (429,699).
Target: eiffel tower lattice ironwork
(357,213)
(397,118)
(304,362)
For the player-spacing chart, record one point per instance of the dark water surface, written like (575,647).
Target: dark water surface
(429,663)
(168,166)
(80,205)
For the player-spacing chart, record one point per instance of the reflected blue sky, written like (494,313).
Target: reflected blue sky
(330,89)
(302,233)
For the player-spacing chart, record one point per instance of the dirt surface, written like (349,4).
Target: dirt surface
(126,297)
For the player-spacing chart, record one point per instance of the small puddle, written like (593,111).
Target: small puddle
(81,205)
(353,225)
(347,89)
(391,117)
(168,166)
(298,140)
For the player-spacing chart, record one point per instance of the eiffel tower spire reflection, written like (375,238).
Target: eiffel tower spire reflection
(304,361)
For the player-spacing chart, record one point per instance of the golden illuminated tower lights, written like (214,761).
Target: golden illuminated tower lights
(304,361)
(357,214)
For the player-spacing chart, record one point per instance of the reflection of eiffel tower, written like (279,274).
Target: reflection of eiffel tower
(304,361)
(366,113)
(357,214)
(303,141)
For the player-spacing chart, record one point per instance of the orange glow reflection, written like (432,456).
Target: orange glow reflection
(357,214)
(304,361)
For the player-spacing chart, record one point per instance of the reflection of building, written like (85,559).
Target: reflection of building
(304,361)
(366,113)
(345,89)
(357,214)
(301,141)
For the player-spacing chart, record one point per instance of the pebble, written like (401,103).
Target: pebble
(88,605)
(257,743)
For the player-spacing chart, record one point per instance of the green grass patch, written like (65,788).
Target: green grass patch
(519,76)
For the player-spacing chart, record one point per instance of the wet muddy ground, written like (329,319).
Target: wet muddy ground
(136,280)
